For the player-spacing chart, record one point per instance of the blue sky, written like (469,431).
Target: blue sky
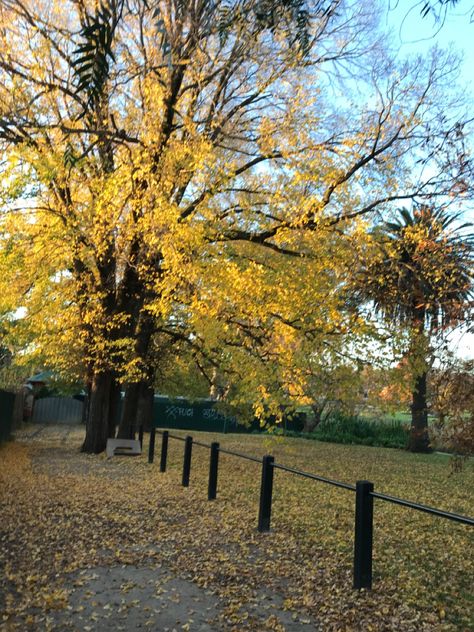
(415,34)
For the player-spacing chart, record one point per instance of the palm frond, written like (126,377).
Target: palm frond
(425,274)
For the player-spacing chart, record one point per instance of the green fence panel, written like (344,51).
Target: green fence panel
(184,414)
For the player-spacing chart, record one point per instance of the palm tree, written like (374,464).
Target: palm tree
(421,279)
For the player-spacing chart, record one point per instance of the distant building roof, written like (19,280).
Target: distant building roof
(40,378)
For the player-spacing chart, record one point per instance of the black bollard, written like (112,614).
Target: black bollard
(151,447)
(164,451)
(364,514)
(265,509)
(213,468)
(188,449)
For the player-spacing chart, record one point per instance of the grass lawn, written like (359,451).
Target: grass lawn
(423,565)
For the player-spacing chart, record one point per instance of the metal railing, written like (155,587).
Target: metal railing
(364,500)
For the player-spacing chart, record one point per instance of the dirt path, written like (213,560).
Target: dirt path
(85,548)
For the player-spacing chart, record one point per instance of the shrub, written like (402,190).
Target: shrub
(348,429)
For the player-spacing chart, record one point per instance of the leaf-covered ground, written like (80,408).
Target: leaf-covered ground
(88,543)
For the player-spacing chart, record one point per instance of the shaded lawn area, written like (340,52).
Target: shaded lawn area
(63,511)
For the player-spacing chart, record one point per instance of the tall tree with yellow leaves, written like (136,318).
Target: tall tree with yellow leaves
(149,143)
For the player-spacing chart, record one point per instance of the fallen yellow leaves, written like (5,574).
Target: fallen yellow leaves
(53,600)
(69,519)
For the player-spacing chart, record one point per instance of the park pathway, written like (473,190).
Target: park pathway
(86,548)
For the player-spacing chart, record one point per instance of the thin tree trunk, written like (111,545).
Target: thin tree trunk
(97,425)
(87,402)
(311,424)
(419,438)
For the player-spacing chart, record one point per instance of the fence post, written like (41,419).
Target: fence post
(151,447)
(265,508)
(188,448)
(213,467)
(364,513)
(140,436)
(164,451)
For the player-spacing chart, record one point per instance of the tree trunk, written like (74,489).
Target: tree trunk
(311,424)
(97,425)
(127,425)
(137,408)
(128,422)
(115,394)
(86,403)
(145,405)
(419,438)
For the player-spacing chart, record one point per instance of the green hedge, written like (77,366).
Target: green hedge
(353,430)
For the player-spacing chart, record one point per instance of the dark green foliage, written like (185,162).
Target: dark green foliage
(437,8)
(354,430)
(403,285)
(421,280)
(69,157)
(92,57)
(292,15)
(5,356)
